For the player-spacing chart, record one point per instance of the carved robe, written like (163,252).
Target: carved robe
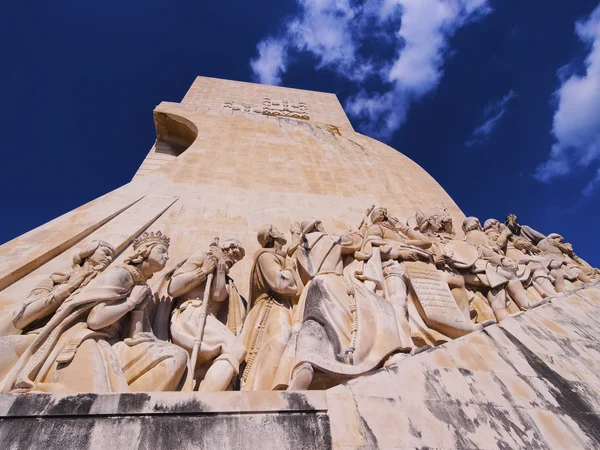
(556,258)
(489,274)
(67,356)
(387,275)
(345,330)
(223,322)
(269,324)
(45,299)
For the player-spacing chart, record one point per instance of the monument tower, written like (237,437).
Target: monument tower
(347,303)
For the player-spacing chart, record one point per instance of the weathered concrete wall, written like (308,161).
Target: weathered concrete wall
(227,420)
(531,382)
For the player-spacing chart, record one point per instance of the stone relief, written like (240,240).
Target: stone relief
(275,287)
(207,316)
(99,340)
(325,309)
(272,107)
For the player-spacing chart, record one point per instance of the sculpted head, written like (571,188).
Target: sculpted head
(99,254)
(491,224)
(556,238)
(470,224)
(268,237)
(311,225)
(233,251)
(379,215)
(434,221)
(151,252)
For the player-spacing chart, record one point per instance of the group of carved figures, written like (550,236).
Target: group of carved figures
(326,309)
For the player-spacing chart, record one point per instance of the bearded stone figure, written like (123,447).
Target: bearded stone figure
(387,243)
(532,268)
(562,264)
(214,328)
(523,231)
(558,255)
(274,290)
(495,271)
(454,320)
(99,340)
(459,257)
(345,330)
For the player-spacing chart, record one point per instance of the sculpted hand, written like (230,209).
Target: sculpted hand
(398,225)
(210,263)
(220,257)
(295,228)
(77,278)
(139,294)
(439,260)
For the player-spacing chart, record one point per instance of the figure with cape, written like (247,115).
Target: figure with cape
(344,330)
(99,340)
(274,289)
(22,321)
(181,298)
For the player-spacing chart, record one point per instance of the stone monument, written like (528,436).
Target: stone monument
(139,321)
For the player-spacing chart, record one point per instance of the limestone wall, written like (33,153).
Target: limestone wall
(241,170)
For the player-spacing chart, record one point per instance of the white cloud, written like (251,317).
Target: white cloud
(493,112)
(271,62)
(335,32)
(592,185)
(576,124)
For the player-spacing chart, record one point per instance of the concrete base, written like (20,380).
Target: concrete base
(273,420)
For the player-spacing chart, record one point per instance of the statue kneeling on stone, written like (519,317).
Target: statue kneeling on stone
(100,340)
(208,316)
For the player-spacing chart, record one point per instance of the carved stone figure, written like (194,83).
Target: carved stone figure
(99,339)
(532,269)
(51,292)
(21,322)
(345,329)
(452,321)
(494,270)
(523,231)
(428,313)
(386,245)
(220,352)
(274,290)
(458,256)
(559,256)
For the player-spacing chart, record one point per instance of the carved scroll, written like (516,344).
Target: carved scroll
(434,296)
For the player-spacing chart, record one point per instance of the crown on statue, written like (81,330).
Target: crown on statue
(151,238)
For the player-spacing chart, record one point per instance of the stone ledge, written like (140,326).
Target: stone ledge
(164,403)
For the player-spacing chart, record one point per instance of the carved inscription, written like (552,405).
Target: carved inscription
(272,107)
(434,295)
(241,106)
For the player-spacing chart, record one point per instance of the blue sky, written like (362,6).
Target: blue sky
(498,100)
